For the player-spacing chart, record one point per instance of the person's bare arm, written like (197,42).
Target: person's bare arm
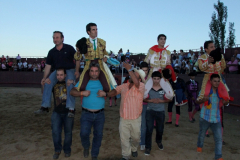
(112,93)
(46,73)
(202,100)
(74,92)
(148,100)
(163,101)
(131,74)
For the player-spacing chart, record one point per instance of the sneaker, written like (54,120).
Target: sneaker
(67,154)
(56,155)
(199,150)
(86,153)
(176,125)
(147,152)
(160,146)
(42,110)
(168,123)
(71,113)
(142,147)
(135,154)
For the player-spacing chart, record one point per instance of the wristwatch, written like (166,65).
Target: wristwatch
(130,69)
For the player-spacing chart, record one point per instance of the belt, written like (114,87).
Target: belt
(93,112)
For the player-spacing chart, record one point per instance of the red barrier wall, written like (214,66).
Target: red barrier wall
(32,79)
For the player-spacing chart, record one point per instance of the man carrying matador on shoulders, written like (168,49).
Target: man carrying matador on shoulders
(94,50)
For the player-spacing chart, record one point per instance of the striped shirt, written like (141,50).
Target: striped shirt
(131,100)
(211,115)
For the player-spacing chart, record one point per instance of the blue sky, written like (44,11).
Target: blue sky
(26,26)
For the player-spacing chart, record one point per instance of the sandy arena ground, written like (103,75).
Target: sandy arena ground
(24,136)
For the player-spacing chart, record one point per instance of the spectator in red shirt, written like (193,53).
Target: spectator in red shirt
(3,59)
(10,64)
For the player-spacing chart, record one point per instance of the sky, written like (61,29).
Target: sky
(26,26)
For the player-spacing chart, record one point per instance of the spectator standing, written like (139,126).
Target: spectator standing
(119,56)
(15,67)
(10,64)
(174,56)
(201,52)
(25,66)
(183,68)
(30,67)
(233,66)
(7,59)
(188,67)
(20,65)
(39,67)
(128,54)
(111,54)
(42,65)
(35,67)
(4,66)
(18,58)
(181,54)
(3,59)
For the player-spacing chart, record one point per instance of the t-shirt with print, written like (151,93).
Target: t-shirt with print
(60,97)
(153,94)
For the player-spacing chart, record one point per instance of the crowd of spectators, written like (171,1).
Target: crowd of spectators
(184,62)
(17,64)
(187,62)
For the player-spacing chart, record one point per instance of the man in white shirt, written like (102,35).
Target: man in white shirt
(20,66)
(25,65)
(30,66)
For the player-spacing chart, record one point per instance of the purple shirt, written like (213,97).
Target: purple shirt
(233,68)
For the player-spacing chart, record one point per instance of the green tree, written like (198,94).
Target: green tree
(231,36)
(218,24)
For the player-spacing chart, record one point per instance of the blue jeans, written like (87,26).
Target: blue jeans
(143,125)
(88,120)
(217,133)
(59,120)
(159,116)
(47,92)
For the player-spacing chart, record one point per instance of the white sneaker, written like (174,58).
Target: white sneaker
(142,148)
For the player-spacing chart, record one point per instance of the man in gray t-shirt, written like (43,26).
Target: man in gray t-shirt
(156,94)
(155,112)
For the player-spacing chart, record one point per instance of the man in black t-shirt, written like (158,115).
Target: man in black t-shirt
(61,56)
(60,117)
